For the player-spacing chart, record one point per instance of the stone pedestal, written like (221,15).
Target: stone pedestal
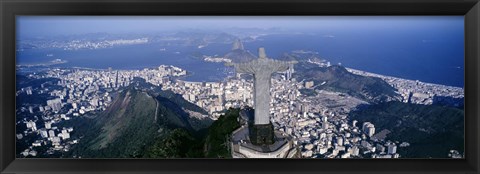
(261,134)
(242,147)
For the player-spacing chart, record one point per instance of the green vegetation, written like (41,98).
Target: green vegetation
(183,144)
(173,114)
(136,111)
(431,130)
(178,99)
(35,98)
(127,129)
(337,78)
(176,144)
(24,81)
(216,142)
(308,92)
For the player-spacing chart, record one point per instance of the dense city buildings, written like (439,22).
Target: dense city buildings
(414,91)
(318,124)
(164,87)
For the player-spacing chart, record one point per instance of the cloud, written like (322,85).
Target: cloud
(328,36)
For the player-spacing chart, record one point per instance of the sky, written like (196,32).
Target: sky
(36,26)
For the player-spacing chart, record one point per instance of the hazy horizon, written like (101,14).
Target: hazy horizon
(38,26)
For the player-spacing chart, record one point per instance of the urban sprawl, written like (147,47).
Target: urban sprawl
(319,124)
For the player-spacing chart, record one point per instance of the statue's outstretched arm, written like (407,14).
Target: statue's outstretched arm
(241,67)
(282,65)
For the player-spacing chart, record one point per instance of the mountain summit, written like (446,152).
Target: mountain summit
(138,117)
(337,78)
(237,44)
(238,54)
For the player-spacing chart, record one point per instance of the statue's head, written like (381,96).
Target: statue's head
(261,53)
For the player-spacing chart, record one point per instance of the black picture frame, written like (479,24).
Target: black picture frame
(10,8)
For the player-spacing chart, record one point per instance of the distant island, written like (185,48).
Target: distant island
(53,62)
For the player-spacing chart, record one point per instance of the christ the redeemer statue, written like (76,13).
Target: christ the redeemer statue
(262,70)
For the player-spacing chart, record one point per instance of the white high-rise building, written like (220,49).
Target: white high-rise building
(65,134)
(392,149)
(74,105)
(44,133)
(371,131)
(51,133)
(94,102)
(368,128)
(48,125)
(55,104)
(309,84)
(32,125)
(28,90)
(30,109)
(325,122)
(340,141)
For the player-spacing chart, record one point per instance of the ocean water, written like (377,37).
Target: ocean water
(439,61)
(130,58)
(413,56)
